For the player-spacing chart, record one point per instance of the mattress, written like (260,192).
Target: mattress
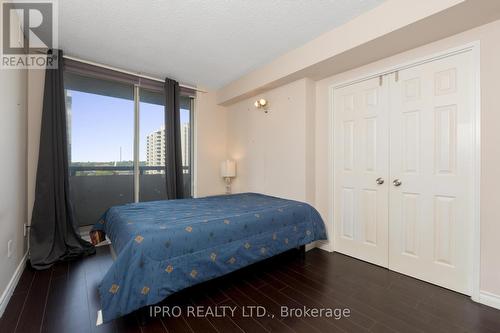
(165,246)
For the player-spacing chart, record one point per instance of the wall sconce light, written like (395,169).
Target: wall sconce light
(262,104)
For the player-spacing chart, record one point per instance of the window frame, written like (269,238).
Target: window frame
(137,83)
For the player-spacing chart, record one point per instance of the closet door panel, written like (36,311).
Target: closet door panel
(360,158)
(431,172)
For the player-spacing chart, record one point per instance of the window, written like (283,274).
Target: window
(151,146)
(186,143)
(101,140)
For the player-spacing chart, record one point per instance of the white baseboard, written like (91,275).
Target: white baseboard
(9,290)
(324,245)
(489,299)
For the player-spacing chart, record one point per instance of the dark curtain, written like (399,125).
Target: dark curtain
(53,234)
(173,158)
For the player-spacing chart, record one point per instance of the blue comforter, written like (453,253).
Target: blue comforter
(165,246)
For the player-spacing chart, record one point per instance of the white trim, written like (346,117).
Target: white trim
(474,47)
(489,299)
(137,145)
(476,227)
(324,245)
(194,145)
(408,64)
(331,173)
(192,158)
(9,290)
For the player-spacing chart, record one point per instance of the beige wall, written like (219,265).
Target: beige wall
(36,79)
(488,35)
(210,145)
(13,110)
(274,151)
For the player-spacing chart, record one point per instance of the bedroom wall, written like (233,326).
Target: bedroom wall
(488,35)
(274,151)
(271,150)
(210,145)
(13,112)
(36,78)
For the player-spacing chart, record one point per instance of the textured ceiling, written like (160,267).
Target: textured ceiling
(207,43)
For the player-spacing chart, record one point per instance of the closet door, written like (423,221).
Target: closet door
(431,172)
(361,170)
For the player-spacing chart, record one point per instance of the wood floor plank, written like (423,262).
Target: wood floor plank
(176,324)
(426,322)
(301,325)
(248,297)
(322,323)
(324,297)
(61,305)
(221,324)
(255,279)
(464,319)
(247,324)
(216,295)
(31,317)
(464,307)
(127,324)
(199,324)
(396,310)
(194,323)
(9,320)
(60,269)
(154,326)
(360,314)
(64,299)
(260,298)
(172,322)
(25,280)
(392,302)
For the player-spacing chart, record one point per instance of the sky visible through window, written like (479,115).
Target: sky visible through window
(101,125)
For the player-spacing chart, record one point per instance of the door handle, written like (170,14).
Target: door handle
(379,180)
(396,182)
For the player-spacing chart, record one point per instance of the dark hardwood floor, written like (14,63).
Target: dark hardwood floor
(65,299)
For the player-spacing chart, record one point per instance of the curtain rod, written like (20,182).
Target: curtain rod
(129,72)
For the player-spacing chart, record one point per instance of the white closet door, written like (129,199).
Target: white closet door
(431,172)
(360,158)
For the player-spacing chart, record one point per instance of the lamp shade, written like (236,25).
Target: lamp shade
(228,169)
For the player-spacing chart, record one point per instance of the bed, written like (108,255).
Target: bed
(165,246)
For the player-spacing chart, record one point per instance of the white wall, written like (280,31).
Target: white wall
(210,145)
(36,78)
(13,110)
(274,151)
